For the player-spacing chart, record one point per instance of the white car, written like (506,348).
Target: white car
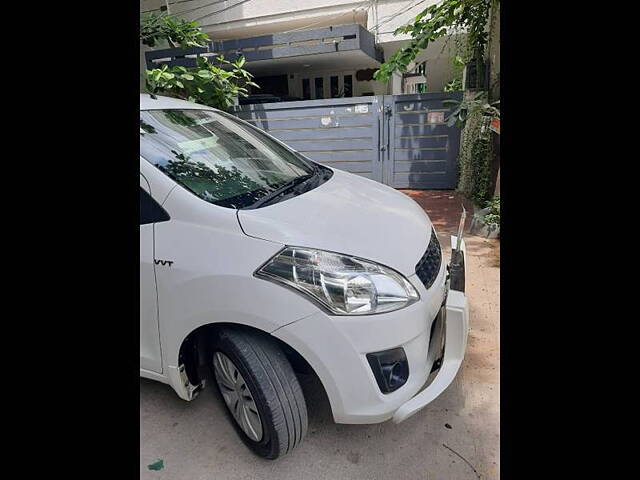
(260,263)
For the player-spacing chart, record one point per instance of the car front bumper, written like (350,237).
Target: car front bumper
(336,349)
(456,326)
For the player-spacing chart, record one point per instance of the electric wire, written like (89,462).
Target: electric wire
(370,2)
(221,10)
(197,8)
(386,19)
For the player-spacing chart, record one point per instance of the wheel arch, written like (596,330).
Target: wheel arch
(196,349)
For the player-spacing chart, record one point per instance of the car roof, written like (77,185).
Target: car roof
(167,103)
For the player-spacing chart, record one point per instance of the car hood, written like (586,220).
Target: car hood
(351,215)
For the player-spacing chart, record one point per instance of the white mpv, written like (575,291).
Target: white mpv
(261,264)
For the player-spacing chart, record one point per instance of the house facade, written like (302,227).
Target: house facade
(312,49)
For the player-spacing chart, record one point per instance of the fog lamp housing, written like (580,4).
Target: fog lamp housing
(390,368)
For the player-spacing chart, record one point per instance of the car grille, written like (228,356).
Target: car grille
(429,265)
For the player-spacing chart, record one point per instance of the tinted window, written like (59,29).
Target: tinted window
(218,158)
(150,210)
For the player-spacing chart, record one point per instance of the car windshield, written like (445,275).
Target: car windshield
(223,160)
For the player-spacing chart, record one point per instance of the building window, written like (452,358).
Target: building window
(335,90)
(319,84)
(306,89)
(348,86)
(422,70)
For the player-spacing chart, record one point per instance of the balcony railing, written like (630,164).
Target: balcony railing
(341,38)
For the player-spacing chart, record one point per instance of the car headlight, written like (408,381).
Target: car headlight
(343,284)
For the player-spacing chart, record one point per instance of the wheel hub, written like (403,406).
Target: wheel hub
(237,396)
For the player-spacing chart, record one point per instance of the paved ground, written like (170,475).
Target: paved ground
(454,438)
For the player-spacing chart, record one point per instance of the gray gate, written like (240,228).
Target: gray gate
(339,132)
(399,140)
(421,151)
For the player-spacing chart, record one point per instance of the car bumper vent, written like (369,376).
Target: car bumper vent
(429,265)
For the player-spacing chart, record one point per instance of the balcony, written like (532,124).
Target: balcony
(336,47)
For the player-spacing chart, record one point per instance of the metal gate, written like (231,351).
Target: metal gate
(400,140)
(421,151)
(339,132)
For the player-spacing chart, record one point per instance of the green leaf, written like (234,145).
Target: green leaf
(159,465)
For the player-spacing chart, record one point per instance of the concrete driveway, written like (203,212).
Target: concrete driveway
(455,437)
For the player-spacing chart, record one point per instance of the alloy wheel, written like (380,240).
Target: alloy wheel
(237,396)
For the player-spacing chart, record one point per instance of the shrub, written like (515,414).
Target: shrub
(492,218)
(474,115)
(475,158)
(207,83)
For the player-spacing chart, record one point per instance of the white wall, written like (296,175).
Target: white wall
(146,5)
(245,18)
(241,18)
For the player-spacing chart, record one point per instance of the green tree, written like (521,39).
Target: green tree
(212,183)
(216,85)
(207,84)
(435,21)
(177,32)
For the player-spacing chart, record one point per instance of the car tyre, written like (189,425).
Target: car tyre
(263,385)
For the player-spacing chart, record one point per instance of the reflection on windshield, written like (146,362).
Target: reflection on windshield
(209,184)
(217,158)
(146,128)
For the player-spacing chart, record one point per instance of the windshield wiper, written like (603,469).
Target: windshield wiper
(269,197)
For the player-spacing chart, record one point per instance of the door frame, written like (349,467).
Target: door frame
(153,365)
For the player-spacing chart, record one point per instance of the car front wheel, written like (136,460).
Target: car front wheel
(261,392)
